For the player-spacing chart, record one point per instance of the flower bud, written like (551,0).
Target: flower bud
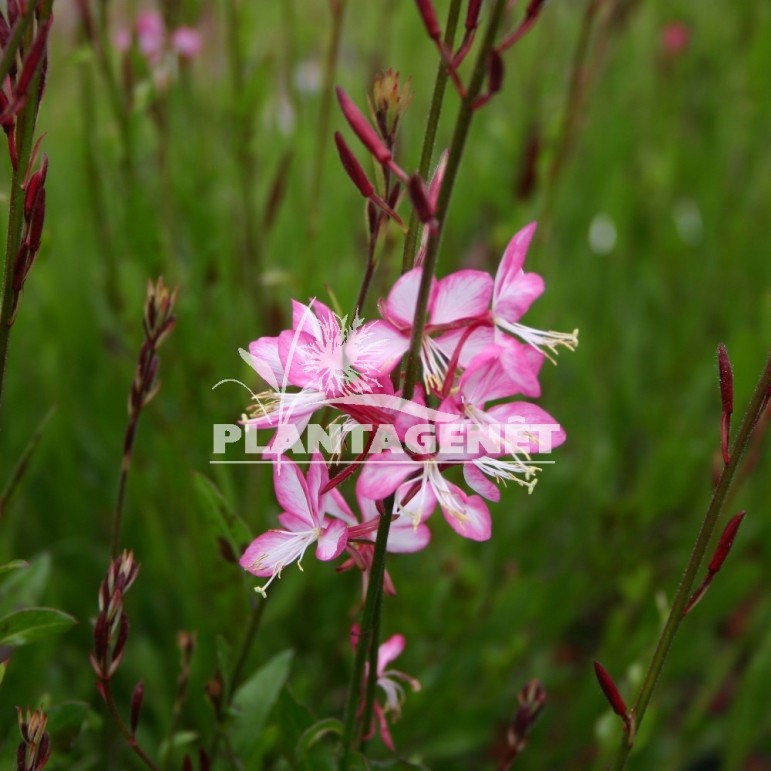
(352,167)
(611,692)
(366,134)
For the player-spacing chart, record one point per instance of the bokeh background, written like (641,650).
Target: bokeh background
(636,133)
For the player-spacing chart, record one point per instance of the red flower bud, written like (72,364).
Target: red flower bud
(137,697)
(494,72)
(726,376)
(361,127)
(611,692)
(428,14)
(726,542)
(472,14)
(353,167)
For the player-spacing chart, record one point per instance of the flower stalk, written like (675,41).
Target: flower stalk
(711,518)
(159,321)
(373,602)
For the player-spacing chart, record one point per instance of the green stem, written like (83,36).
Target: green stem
(460,134)
(246,161)
(675,618)
(366,635)
(432,125)
(235,676)
(370,615)
(338,14)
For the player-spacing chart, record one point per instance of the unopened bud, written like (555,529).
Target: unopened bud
(726,542)
(363,130)
(137,697)
(611,692)
(494,72)
(32,61)
(726,376)
(428,14)
(472,14)
(352,167)
(35,184)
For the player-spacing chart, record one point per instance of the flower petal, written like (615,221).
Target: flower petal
(462,295)
(546,432)
(383,473)
(399,306)
(292,490)
(263,357)
(332,540)
(270,552)
(513,257)
(479,483)
(376,348)
(389,651)
(475,523)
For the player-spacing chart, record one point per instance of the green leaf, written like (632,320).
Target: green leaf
(65,722)
(31,624)
(179,739)
(13,565)
(253,702)
(317,732)
(23,588)
(220,518)
(2,672)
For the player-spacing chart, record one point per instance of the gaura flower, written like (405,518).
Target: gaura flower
(513,293)
(460,298)
(305,518)
(390,682)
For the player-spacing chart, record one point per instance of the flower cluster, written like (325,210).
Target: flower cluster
(478,361)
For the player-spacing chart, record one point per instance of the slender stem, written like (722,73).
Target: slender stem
(125,465)
(460,134)
(365,641)
(246,161)
(338,14)
(370,615)
(369,696)
(124,729)
(571,114)
(756,405)
(235,676)
(432,125)
(23,463)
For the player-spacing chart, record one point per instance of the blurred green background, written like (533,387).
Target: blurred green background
(653,199)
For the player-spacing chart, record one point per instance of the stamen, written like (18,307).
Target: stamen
(539,339)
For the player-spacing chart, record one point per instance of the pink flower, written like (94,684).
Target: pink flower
(461,299)
(304,518)
(422,479)
(489,377)
(186,41)
(323,357)
(151,35)
(675,37)
(513,293)
(390,682)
